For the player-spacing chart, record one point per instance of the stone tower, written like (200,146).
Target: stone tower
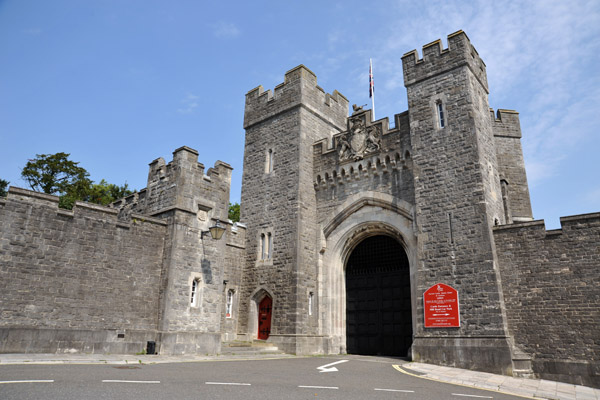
(279,206)
(458,200)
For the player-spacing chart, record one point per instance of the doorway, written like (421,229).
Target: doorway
(378,298)
(265,308)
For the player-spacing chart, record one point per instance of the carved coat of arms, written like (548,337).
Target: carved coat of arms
(359,140)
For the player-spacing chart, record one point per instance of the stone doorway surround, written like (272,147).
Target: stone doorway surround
(358,217)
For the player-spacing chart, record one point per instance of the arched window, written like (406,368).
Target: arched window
(269,246)
(263,246)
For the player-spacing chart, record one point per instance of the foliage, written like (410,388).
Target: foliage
(56,174)
(105,193)
(234,212)
(3,186)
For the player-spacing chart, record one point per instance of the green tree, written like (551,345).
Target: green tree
(3,186)
(56,174)
(234,212)
(105,193)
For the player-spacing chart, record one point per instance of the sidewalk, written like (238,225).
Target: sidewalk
(35,358)
(530,388)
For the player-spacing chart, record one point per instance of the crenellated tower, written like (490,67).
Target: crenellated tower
(458,200)
(279,206)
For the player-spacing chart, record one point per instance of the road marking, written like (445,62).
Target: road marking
(398,368)
(472,395)
(324,368)
(395,390)
(227,383)
(121,381)
(319,387)
(31,381)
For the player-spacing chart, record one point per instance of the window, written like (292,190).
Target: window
(195,293)
(310,303)
(440,113)
(229,304)
(269,164)
(266,246)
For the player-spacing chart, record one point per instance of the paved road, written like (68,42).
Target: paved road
(299,378)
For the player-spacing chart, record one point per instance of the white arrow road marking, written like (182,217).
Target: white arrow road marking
(472,395)
(395,390)
(325,368)
(31,381)
(121,381)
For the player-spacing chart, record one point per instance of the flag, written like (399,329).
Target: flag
(371,82)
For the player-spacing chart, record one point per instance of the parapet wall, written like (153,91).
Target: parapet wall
(550,283)
(80,270)
(298,89)
(437,60)
(511,165)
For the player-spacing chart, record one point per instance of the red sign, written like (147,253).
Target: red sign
(441,307)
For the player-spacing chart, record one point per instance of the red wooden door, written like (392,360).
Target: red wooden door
(264,318)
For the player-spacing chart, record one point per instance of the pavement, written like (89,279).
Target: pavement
(524,387)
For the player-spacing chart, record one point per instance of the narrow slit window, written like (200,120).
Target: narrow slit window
(440,113)
(311,295)
(229,304)
(269,246)
(263,246)
(269,166)
(195,293)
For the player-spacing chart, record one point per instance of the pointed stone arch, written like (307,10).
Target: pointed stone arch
(360,216)
(255,299)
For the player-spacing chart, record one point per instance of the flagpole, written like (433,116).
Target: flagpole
(372,89)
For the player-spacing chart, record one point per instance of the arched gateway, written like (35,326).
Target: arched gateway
(378,298)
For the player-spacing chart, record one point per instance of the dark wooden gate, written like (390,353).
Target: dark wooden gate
(264,318)
(378,309)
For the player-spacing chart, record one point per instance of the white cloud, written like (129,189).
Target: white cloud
(225,30)
(189,104)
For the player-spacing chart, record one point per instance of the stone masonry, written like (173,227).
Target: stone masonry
(442,194)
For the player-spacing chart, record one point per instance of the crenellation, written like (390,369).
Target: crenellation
(437,60)
(344,217)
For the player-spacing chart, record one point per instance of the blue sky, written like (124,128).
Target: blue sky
(119,83)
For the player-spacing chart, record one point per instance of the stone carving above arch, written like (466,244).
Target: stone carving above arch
(359,140)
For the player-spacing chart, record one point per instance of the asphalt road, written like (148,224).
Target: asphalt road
(297,378)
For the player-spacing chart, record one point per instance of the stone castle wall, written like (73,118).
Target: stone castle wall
(73,280)
(386,171)
(550,282)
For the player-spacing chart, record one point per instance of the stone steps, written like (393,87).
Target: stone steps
(257,347)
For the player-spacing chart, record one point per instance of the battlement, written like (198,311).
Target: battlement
(181,184)
(436,60)
(506,123)
(299,88)
(81,209)
(571,226)
(331,168)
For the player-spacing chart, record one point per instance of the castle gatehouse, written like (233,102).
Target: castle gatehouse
(413,238)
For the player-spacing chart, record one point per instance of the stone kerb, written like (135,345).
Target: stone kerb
(437,60)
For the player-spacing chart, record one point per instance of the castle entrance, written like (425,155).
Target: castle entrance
(378,302)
